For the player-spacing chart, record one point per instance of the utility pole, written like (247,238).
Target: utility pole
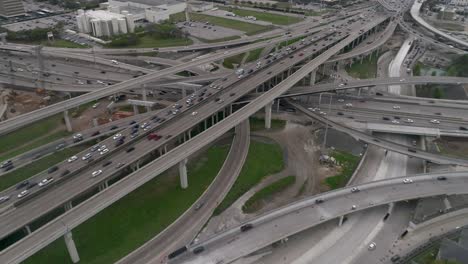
(326,124)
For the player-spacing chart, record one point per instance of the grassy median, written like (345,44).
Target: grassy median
(262,160)
(37,166)
(348,163)
(365,70)
(265,16)
(257,124)
(256,202)
(139,216)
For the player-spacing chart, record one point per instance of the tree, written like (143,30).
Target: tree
(437,93)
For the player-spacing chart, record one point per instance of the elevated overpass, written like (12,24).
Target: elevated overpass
(72,218)
(411,130)
(275,225)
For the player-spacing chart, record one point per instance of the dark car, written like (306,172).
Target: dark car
(8,167)
(22,185)
(114,127)
(52,169)
(319,201)
(441,178)
(132,122)
(95,133)
(130,149)
(31,185)
(198,250)
(385,118)
(463,128)
(339,113)
(65,172)
(107,163)
(246,227)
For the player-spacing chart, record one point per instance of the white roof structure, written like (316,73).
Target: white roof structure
(103,15)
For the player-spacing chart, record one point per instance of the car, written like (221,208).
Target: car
(463,128)
(60,146)
(154,136)
(104,151)
(198,250)
(199,205)
(101,148)
(130,149)
(4,198)
(407,181)
(77,137)
(6,164)
(117,136)
(371,246)
(232,94)
(194,113)
(301,54)
(355,189)
(395,122)
(120,165)
(441,178)
(22,185)
(107,163)
(434,121)
(353,207)
(46,181)
(132,122)
(340,113)
(95,133)
(341,100)
(87,156)
(65,172)
(385,118)
(395,258)
(95,105)
(349,105)
(52,169)
(113,127)
(246,227)
(23,194)
(409,120)
(396,107)
(319,201)
(96,173)
(94,148)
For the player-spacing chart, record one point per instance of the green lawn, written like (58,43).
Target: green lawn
(256,202)
(248,28)
(348,164)
(365,70)
(236,59)
(37,166)
(262,160)
(44,140)
(289,42)
(150,42)
(254,55)
(25,135)
(264,16)
(138,217)
(62,43)
(257,124)
(219,39)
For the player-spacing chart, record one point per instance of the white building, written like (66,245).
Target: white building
(103,23)
(459,2)
(121,15)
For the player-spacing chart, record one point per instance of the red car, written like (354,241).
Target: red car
(301,54)
(154,136)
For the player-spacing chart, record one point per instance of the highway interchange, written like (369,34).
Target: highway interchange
(174,126)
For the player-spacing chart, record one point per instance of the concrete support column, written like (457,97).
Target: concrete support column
(68,206)
(447,204)
(95,122)
(390,208)
(277,104)
(341,221)
(313,75)
(135,110)
(183,174)
(184,92)
(205,124)
(71,247)
(145,97)
(268,115)
(67,121)
(28,229)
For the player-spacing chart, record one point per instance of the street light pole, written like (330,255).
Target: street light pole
(326,123)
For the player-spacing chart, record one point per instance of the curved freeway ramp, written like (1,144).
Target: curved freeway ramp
(288,220)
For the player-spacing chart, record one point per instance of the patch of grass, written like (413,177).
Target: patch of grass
(44,140)
(448,26)
(254,54)
(150,42)
(129,108)
(78,111)
(37,166)
(236,59)
(62,43)
(137,217)
(255,202)
(257,124)
(218,39)
(348,164)
(248,28)
(264,16)
(459,67)
(289,42)
(365,70)
(28,133)
(262,160)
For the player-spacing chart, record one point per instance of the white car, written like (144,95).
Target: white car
(402,80)
(353,207)
(101,148)
(409,120)
(194,113)
(104,151)
(349,105)
(117,136)
(322,113)
(95,105)
(96,173)
(87,156)
(435,121)
(77,136)
(72,159)
(371,246)
(407,181)
(395,122)
(397,107)
(341,100)
(4,198)
(23,194)
(45,181)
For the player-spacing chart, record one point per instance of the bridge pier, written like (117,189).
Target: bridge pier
(28,229)
(144,96)
(341,221)
(447,204)
(71,247)
(268,115)
(68,206)
(183,173)
(67,121)
(313,76)
(135,110)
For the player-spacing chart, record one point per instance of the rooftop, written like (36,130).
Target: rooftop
(103,15)
(152,2)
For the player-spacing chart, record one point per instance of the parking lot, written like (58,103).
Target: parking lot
(208,31)
(46,22)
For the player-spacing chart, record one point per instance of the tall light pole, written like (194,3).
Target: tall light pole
(326,123)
